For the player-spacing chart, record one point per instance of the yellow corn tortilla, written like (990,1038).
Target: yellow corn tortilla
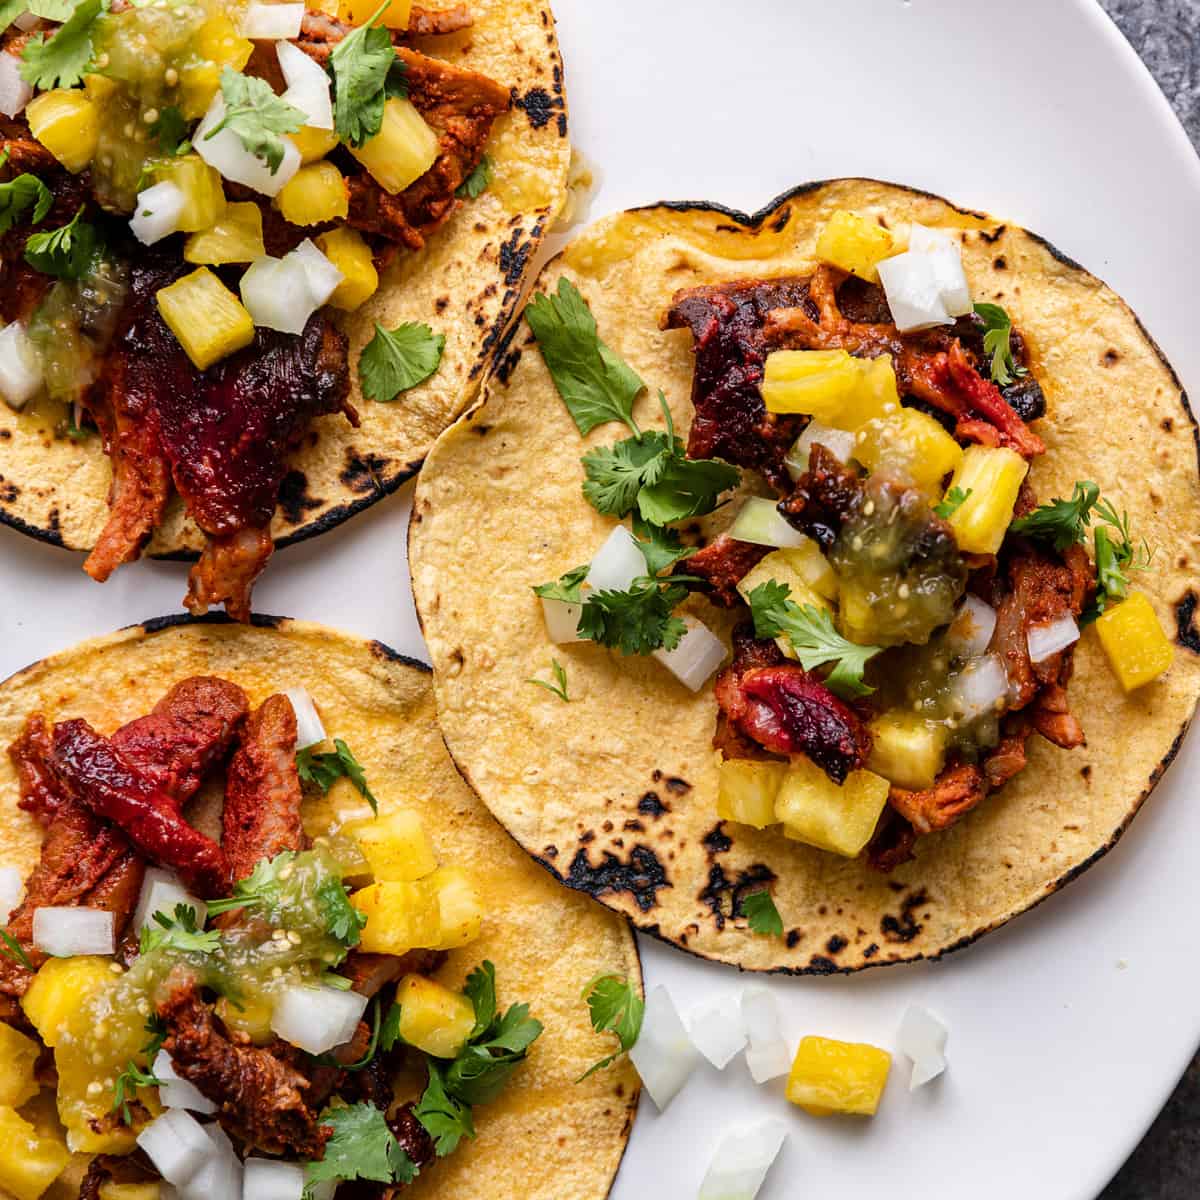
(465,284)
(616,791)
(546,1138)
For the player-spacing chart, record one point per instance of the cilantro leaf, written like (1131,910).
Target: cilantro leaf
(261,889)
(954,499)
(660,548)
(22,192)
(477,182)
(396,360)
(637,621)
(127,1084)
(761,914)
(326,769)
(617,473)
(686,487)
(614,1007)
(170,131)
(180,932)
(366,71)
(483,1066)
(480,989)
(445,1119)
(362,1147)
(1061,522)
(568,587)
(67,252)
(10,10)
(14,951)
(813,637)
(559,686)
(594,383)
(257,116)
(1116,555)
(997,343)
(61,59)
(343,921)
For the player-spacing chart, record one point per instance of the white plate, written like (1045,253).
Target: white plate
(1037,111)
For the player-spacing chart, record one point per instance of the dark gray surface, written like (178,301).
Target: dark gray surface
(1166,1166)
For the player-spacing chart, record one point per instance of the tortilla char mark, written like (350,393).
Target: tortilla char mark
(642,875)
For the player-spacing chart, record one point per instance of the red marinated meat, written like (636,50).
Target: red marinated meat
(724,563)
(827,495)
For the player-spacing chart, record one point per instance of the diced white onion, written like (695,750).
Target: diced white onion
(161,893)
(282,293)
(663,1054)
(67,932)
(323,276)
(15,93)
(269,1179)
(945,254)
(716,1030)
(270,22)
(26,21)
(759,521)
(922,1038)
(914,292)
(177,1146)
(309,730)
(176,1092)
(157,211)
(12,890)
(979,687)
(1048,639)
(699,653)
(767,1053)
(225,153)
(317,1019)
(970,632)
(221,1175)
(562,620)
(741,1161)
(307,85)
(20,364)
(617,563)
(839,443)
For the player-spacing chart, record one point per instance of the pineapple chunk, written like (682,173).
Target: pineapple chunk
(357,12)
(910,445)
(828,1076)
(830,386)
(67,123)
(57,990)
(99,87)
(396,847)
(236,237)
(400,916)
(746,790)
(18,1056)
(218,41)
(347,250)
(432,1017)
(313,143)
(206,317)
(204,198)
(778,567)
(813,569)
(110,1190)
(855,244)
(314,196)
(1138,650)
(253,1018)
(403,149)
(459,909)
(816,810)
(199,82)
(907,750)
(993,475)
(29,1161)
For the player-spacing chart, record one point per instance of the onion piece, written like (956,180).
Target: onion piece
(914,292)
(759,521)
(307,85)
(15,93)
(157,211)
(176,1092)
(269,1179)
(839,443)
(699,653)
(922,1038)
(617,563)
(225,153)
(945,254)
(717,1031)
(767,1053)
(562,620)
(323,276)
(221,1175)
(741,1161)
(270,22)
(283,293)
(20,364)
(162,892)
(12,890)
(177,1146)
(309,730)
(980,687)
(970,632)
(67,932)
(1048,639)
(663,1054)
(317,1019)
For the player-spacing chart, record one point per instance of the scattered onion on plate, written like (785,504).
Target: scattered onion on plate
(307,85)
(20,364)
(309,730)
(617,563)
(176,1092)
(12,890)
(663,1054)
(162,893)
(269,1179)
(922,1038)
(716,1030)
(699,653)
(767,1053)
(177,1146)
(68,932)
(157,211)
(760,522)
(225,153)
(741,1161)
(1048,639)
(317,1019)
(271,22)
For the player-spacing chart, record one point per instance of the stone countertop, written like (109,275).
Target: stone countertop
(1166,1166)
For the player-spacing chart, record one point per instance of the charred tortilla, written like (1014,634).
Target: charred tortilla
(615,793)
(546,1136)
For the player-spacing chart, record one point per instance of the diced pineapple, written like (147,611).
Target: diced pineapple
(237,237)
(99,87)
(432,1017)
(314,196)
(357,12)
(816,810)
(403,149)
(813,568)
(396,847)
(204,197)
(1138,650)
(67,123)
(313,143)
(909,445)
(875,396)
(400,916)
(779,568)
(746,790)
(346,249)
(251,1017)
(18,1056)
(199,82)
(57,990)
(993,475)
(459,909)
(111,1190)
(218,41)
(830,385)
(907,750)
(206,317)
(855,244)
(29,1161)
(829,1076)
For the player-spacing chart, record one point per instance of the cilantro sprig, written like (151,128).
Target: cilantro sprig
(170,132)
(614,1006)
(362,1147)
(20,193)
(446,1119)
(997,343)
(61,58)
(477,182)
(68,252)
(325,769)
(761,914)
(14,951)
(366,72)
(1063,523)
(559,686)
(180,932)
(954,499)
(398,359)
(343,921)
(812,636)
(134,1077)
(1117,553)
(257,116)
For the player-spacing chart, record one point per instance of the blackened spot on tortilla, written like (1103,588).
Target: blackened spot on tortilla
(8,491)
(52,522)
(480,320)
(724,896)
(607,827)
(481,429)
(781,221)
(507,365)
(651,806)
(820,965)
(1001,263)
(729,229)
(385,653)
(514,255)
(1187,632)
(821,910)
(634,827)
(995,236)
(836,944)
(896,886)
(5,434)
(538,105)
(677,786)
(641,876)
(905,927)
(562,124)
(793,937)
(587,837)
(294,499)
(361,475)
(1086,771)
(551,851)
(1111,358)
(716,841)
(441,303)
(871,950)
(1167,425)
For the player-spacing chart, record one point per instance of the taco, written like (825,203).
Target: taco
(883,660)
(392,997)
(253,262)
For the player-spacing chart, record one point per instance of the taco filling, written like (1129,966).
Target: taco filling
(190,194)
